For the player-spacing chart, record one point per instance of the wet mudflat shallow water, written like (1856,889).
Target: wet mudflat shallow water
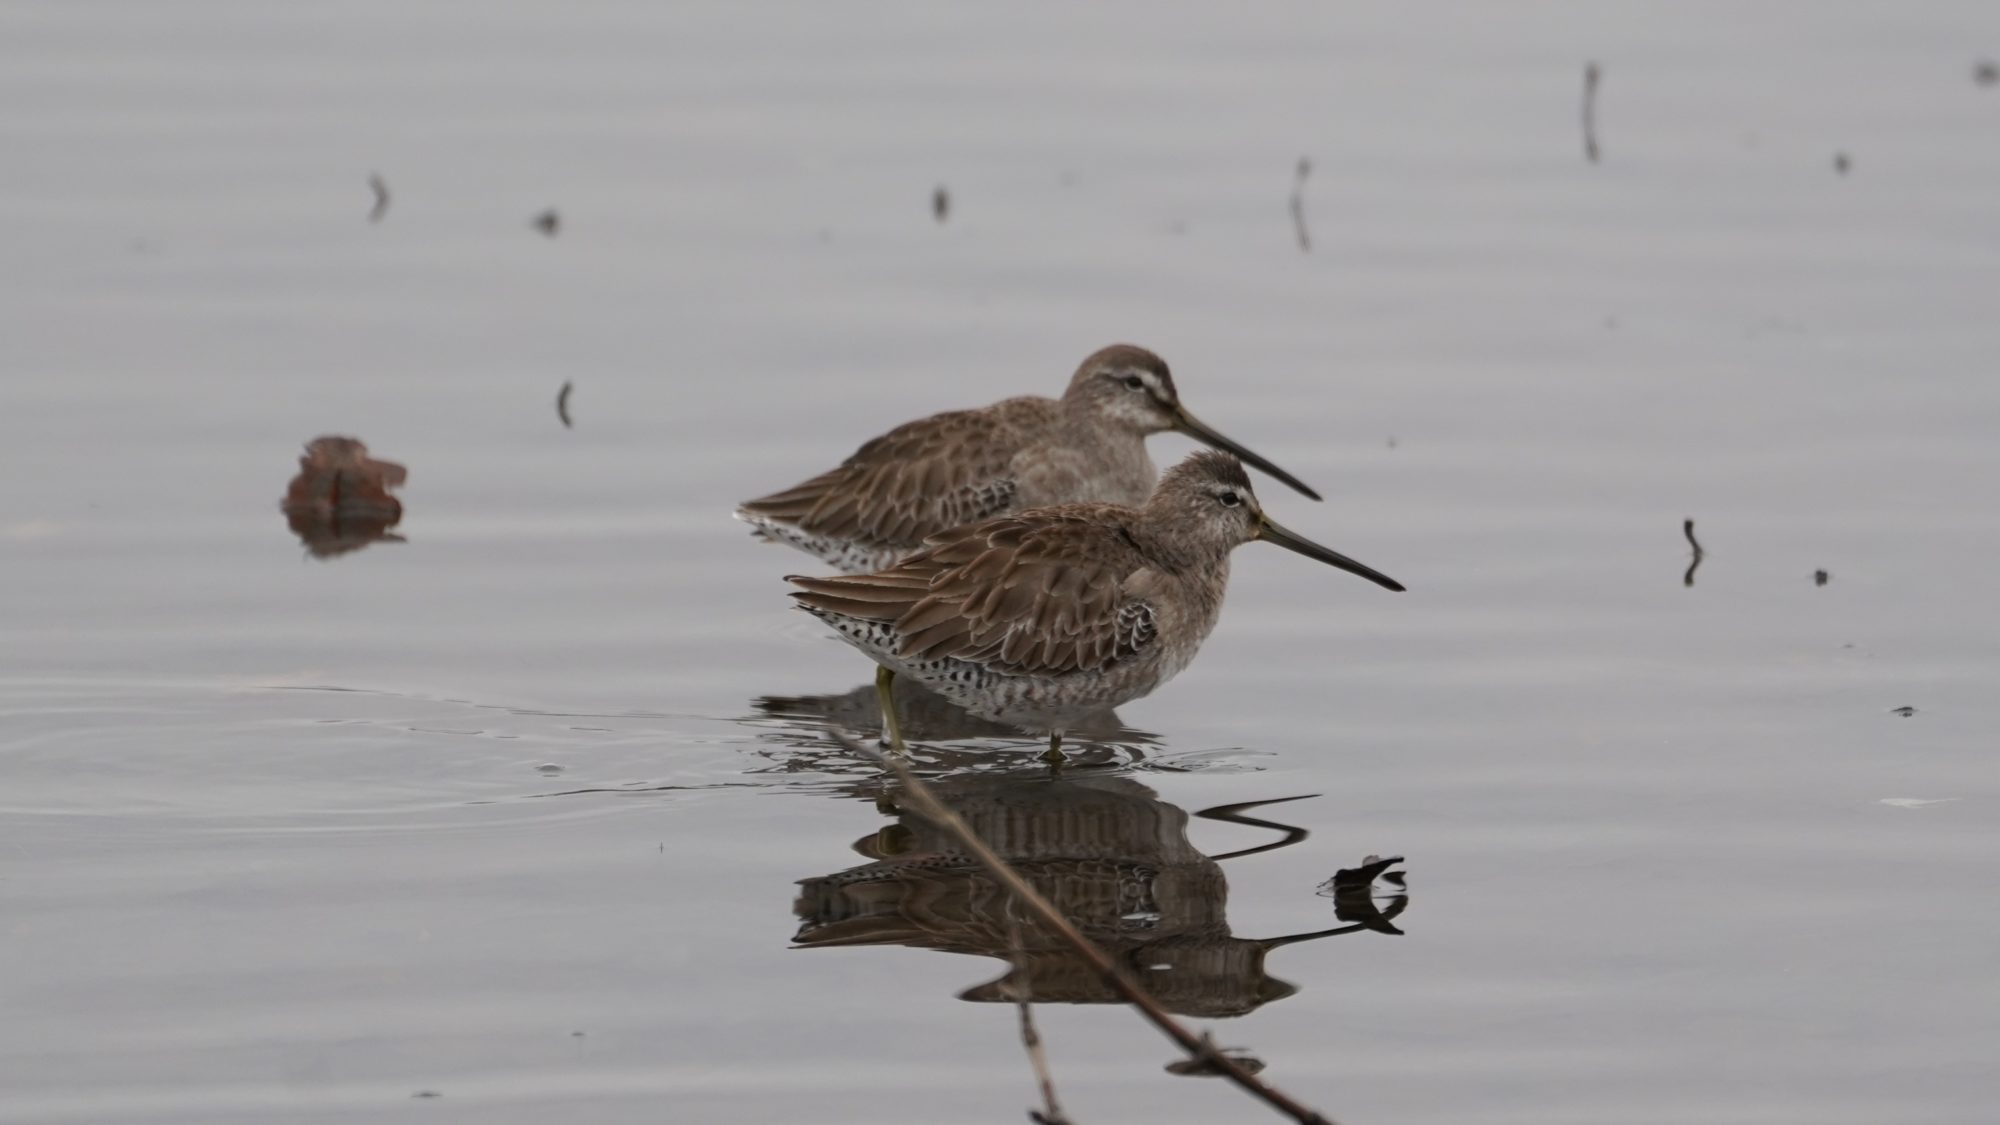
(507,821)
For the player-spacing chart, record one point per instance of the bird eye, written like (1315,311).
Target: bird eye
(1229,499)
(1133,382)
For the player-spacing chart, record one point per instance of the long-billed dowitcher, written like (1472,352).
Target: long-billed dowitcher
(1041,616)
(936,473)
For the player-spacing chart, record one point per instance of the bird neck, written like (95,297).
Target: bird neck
(1161,537)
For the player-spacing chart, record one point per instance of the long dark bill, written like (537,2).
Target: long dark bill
(1272,533)
(1199,431)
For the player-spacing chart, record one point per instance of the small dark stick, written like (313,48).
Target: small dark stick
(1592,74)
(1031,1038)
(1299,204)
(562,404)
(1687,529)
(940,204)
(380,187)
(548,222)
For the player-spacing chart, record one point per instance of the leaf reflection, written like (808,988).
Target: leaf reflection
(339,502)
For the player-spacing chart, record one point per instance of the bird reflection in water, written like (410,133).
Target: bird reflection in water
(798,724)
(1106,851)
(340,500)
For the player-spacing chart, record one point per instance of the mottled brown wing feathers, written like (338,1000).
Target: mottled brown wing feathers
(1040,593)
(916,480)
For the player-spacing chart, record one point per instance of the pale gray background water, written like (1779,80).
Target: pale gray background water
(1664,855)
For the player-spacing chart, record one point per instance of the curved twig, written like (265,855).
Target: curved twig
(1304,169)
(1687,529)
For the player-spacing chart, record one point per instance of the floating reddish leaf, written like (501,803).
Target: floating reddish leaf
(340,500)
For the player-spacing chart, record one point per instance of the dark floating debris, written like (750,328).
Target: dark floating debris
(340,500)
(1841,163)
(427,1094)
(1592,75)
(380,187)
(1687,529)
(1821,577)
(1354,899)
(562,404)
(1206,1068)
(940,204)
(1299,174)
(548,222)
(1986,72)
(1905,711)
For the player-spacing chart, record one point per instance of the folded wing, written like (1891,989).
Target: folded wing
(914,481)
(1040,593)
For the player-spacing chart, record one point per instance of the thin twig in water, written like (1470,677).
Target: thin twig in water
(380,187)
(926,804)
(1299,204)
(562,403)
(1591,76)
(1031,1039)
(1687,529)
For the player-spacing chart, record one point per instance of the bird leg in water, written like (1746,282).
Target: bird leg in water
(1054,755)
(892,731)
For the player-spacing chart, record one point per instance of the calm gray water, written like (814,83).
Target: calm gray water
(504,814)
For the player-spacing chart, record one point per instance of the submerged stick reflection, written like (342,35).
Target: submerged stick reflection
(1031,1037)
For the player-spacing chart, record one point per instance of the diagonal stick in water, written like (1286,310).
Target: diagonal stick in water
(1199,1047)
